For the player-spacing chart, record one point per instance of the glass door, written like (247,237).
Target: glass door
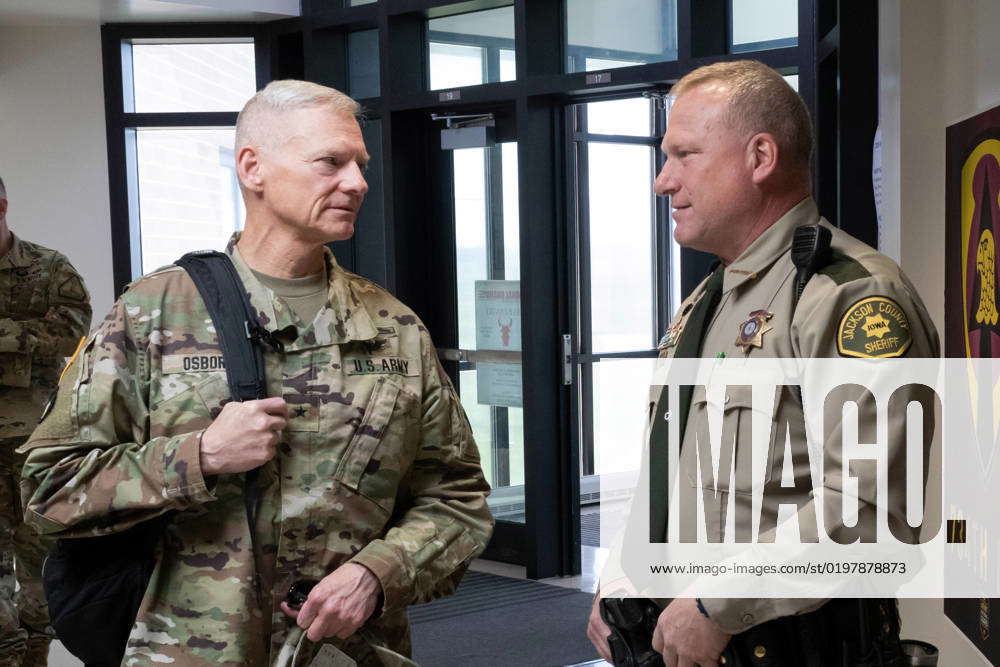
(487,279)
(627,281)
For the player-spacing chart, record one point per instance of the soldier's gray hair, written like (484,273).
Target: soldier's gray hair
(256,122)
(760,100)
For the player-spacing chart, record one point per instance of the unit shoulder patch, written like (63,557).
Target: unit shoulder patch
(874,328)
(72,289)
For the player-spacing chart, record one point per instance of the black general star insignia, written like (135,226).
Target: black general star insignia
(300,412)
(752,331)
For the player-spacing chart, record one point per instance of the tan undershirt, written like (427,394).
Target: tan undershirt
(305,296)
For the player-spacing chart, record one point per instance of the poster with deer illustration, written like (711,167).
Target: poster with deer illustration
(498,343)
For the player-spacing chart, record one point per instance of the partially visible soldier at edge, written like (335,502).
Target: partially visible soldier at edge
(738,147)
(44,314)
(369,478)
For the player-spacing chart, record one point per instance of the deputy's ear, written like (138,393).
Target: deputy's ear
(762,154)
(250,168)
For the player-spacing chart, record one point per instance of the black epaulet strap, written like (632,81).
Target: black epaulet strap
(240,333)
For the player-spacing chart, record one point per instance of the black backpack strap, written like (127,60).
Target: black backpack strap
(240,337)
(239,331)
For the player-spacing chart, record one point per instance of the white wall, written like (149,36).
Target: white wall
(53,153)
(938,64)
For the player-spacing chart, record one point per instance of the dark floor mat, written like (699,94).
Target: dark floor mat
(494,621)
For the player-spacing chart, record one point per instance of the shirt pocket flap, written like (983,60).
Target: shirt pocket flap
(369,432)
(734,397)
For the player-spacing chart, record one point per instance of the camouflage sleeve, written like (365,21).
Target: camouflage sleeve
(67,320)
(92,466)
(448,523)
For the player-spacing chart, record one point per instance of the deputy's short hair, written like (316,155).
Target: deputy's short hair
(3,190)
(253,126)
(760,100)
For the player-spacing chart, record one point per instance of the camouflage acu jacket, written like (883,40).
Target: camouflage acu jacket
(44,313)
(377,466)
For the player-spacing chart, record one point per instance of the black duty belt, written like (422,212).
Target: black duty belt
(841,633)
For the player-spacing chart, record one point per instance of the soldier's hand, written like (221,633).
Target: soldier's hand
(598,630)
(339,604)
(244,436)
(687,638)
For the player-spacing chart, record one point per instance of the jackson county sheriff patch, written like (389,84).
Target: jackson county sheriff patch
(874,328)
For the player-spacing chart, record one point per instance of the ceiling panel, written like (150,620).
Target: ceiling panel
(75,12)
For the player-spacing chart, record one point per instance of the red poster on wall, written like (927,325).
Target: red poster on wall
(972,320)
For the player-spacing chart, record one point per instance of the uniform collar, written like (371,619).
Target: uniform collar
(15,257)
(769,246)
(341,320)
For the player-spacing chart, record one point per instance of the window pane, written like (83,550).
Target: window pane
(470,237)
(764,24)
(355,3)
(506,501)
(630,117)
(793,81)
(189,196)
(489,316)
(471,49)
(363,64)
(508,66)
(511,214)
(453,66)
(192,77)
(621,391)
(602,34)
(593,64)
(621,265)
(480,419)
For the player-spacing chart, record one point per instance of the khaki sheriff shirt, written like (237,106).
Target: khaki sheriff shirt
(759,292)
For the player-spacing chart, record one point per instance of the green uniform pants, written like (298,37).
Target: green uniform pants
(24,617)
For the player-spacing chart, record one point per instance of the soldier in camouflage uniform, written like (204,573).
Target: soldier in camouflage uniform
(369,480)
(44,313)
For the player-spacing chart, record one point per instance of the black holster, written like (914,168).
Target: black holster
(631,621)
